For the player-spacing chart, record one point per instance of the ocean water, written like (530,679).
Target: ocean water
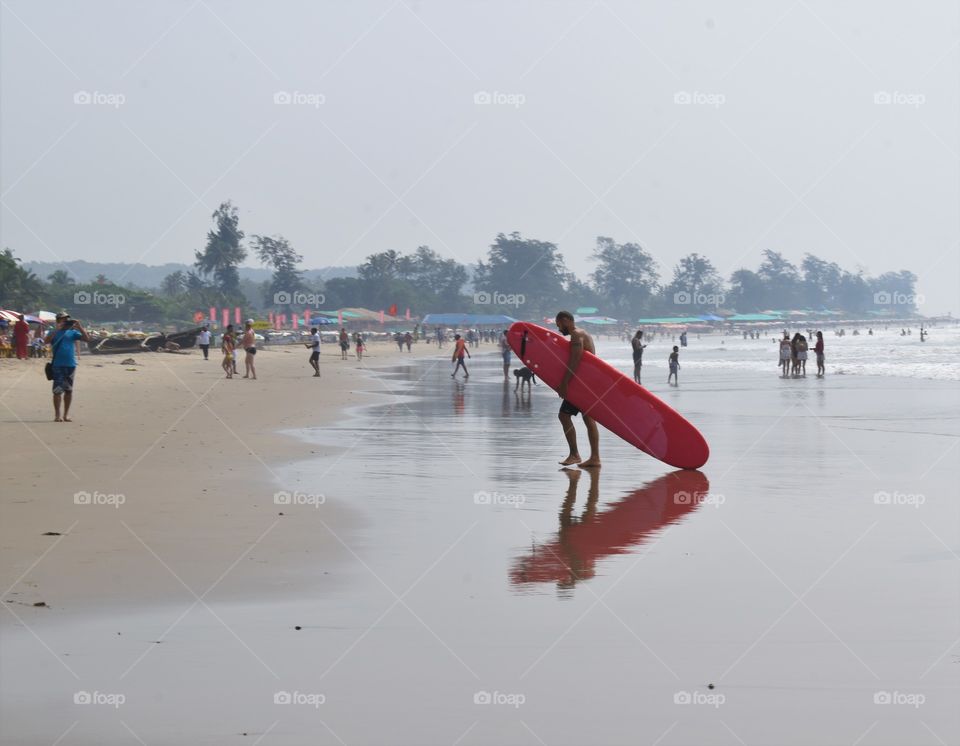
(886,353)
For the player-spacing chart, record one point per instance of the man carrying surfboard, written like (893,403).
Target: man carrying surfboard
(579,341)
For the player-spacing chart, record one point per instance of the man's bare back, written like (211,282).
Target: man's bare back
(580,342)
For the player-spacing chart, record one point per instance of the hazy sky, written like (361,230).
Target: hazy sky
(787,141)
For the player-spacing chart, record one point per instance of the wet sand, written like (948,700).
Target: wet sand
(453,585)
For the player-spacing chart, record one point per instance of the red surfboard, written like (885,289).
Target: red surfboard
(617,402)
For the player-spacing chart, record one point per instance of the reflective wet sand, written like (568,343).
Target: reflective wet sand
(801,588)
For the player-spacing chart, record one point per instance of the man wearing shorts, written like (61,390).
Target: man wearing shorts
(579,341)
(249,343)
(314,345)
(64,362)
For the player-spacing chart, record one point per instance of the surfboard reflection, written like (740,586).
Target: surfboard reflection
(583,540)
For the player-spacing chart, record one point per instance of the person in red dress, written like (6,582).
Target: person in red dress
(21,337)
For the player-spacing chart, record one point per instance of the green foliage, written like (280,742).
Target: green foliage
(20,289)
(518,266)
(626,276)
(223,252)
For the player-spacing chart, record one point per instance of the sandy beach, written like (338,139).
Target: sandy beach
(434,578)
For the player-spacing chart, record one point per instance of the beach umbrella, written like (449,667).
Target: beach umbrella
(586,310)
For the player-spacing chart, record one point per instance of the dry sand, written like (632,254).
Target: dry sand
(191,455)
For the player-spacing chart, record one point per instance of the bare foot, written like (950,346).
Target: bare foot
(67,419)
(592,463)
(57,419)
(570,460)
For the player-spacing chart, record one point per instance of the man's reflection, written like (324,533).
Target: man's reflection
(584,539)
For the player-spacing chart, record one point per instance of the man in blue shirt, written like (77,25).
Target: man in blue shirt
(64,362)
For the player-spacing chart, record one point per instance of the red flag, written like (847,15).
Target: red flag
(294,321)
(236,315)
(408,314)
(226,317)
(381,317)
(213,314)
(393,310)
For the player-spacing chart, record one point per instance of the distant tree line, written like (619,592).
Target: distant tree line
(522,277)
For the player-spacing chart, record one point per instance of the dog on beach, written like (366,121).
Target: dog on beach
(524,376)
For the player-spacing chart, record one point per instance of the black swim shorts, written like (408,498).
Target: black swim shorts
(251,350)
(567,408)
(314,356)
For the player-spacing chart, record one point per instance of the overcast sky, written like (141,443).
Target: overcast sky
(723,128)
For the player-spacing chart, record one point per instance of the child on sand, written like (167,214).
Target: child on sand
(674,361)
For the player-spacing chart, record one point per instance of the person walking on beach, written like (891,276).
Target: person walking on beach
(398,338)
(408,341)
(785,355)
(818,348)
(203,339)
(506,353)
(344,343)
(580,341)
(21,336)
(359,345)
(459,352)
(314,345)
(64,364)
(249,344)
(674,363)
(227,348)
(638,346)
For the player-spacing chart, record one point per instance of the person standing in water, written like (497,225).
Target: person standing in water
(674,362)
(579,341)
(314,345)
(818,348)
(506,354)
(459,351)
(785,355)
(638,346)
